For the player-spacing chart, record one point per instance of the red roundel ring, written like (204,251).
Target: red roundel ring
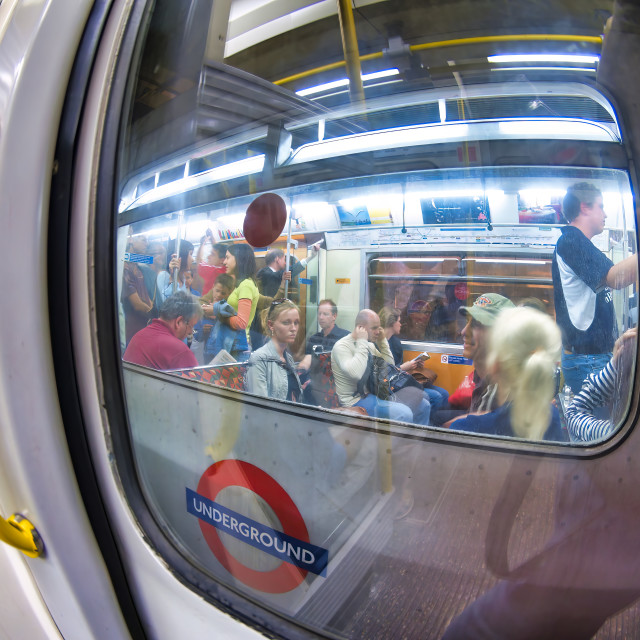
(228,473)
(264,220)
(461,291)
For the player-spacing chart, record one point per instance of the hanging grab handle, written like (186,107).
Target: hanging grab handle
(18,532)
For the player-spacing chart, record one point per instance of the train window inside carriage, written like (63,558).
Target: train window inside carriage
(467,205)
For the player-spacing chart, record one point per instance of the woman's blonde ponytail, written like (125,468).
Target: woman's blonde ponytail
(524,348)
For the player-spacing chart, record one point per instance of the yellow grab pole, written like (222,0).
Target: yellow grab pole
(350,48)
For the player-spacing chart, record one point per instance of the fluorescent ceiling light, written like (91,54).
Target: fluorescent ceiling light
(386,73)
(545,57)
(246,167)
(344,82)
(375,140)
(414,259)
(506,261)
(582,69)
(442,108)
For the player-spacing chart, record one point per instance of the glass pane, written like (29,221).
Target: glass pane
(340,280)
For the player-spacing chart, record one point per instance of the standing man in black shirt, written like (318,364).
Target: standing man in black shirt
(271,276)
(583,278)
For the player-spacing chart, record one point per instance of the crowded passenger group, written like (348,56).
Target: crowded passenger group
(222,309)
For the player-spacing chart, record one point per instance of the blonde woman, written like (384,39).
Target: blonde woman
(271,371)
(524,350)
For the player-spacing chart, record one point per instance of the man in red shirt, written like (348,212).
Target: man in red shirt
(160,345)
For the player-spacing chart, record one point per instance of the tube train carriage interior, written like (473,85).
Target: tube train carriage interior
(425,159)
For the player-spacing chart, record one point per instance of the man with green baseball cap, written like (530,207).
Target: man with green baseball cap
(475,335)
(487,307)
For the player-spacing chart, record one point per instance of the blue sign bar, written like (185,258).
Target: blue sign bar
(299,553)
(138,258)
(453,359)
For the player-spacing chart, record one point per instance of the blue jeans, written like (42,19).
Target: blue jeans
(577,366)
(423,413)
(438,396)
(385,409)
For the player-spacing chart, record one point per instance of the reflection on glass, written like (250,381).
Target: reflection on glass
(441,190)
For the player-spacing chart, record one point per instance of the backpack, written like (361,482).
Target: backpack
(384,379)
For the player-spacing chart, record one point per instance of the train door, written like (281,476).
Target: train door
(310,518)
(196,496)
(437,192)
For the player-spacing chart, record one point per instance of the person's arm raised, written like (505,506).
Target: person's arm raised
(624,273)
(351,364)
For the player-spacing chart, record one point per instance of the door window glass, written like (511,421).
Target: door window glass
(331,276)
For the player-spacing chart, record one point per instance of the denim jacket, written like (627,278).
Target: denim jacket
(266,373)
(222,336)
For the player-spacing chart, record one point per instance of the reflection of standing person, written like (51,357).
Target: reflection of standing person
(418,316)
(136,302)
(182,263)
(241,264)
(390,320)
(214,332)
(589,568)
(214,266)
(271,276)
(582,279)
(159,253)
(188,281)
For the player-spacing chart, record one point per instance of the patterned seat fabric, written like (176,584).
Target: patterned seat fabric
(228,375)
(323,388)
(232,376)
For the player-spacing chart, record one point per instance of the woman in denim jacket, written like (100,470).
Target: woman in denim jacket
(271,371)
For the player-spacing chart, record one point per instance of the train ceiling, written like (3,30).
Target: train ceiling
(297,45)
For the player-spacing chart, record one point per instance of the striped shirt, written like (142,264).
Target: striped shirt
(597,391)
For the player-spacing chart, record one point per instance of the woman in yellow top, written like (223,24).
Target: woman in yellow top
(241,264)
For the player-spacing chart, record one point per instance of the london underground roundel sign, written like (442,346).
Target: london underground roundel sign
(291,545)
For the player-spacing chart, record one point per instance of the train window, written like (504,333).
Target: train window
(314,272)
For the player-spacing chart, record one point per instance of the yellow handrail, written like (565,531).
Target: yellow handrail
(514,38)
(450,43)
